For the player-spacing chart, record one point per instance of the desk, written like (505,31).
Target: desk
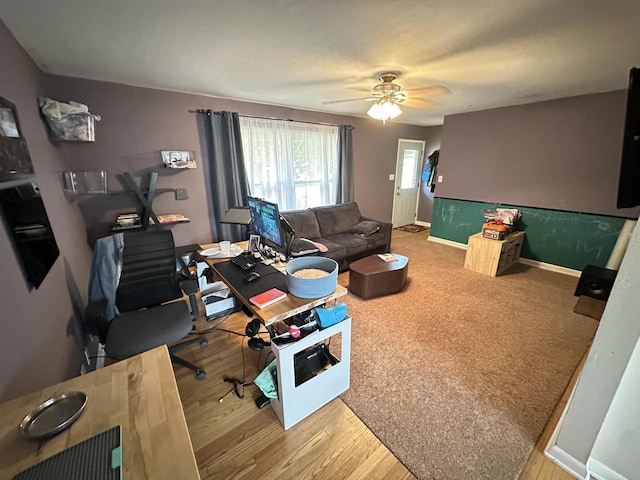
(294,403)
(276,312)
(139,393)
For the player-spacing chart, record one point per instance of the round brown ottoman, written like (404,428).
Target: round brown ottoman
(371,276)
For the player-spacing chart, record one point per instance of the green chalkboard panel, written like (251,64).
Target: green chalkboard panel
(569,239)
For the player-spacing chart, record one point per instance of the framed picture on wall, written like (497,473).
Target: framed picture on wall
(15,162)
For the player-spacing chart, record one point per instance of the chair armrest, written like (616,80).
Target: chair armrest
(95,318)
(190,287)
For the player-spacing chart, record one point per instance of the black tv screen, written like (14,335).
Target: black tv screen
(28,226)
(629,180)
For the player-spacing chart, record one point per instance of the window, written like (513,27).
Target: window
(291,163)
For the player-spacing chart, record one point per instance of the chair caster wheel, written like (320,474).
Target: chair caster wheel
(203,343)
(200,374)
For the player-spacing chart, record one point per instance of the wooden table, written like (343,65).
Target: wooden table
(139,394)
(282,309)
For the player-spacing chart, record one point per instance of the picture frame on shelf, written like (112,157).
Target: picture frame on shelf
(179,159)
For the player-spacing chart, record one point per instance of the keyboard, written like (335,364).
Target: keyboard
(243,262)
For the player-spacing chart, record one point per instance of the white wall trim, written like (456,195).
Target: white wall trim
(550,266)
(444,241)
(602,472)
(424,224)
(566,462)
(525,261)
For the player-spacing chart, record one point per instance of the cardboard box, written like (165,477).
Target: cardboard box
(216,297)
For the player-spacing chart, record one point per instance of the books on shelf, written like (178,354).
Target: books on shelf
(265,299)
(170,218)
(127,219)
(387,257)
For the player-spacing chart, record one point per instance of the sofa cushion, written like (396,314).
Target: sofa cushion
(365,228)
(355,244)
(337,218)
(335,250)
(304,223)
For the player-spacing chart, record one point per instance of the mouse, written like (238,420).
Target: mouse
(251,277)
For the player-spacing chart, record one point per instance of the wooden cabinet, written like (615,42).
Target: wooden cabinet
(493,257)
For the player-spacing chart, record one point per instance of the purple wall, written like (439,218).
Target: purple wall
(562,154)
(137,123)
(40,340)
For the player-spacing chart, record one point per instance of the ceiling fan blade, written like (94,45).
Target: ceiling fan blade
(330,102)
(418,103)
(431,91)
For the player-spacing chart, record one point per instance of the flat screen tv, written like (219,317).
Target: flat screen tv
(265,221)
(28,226)
(629,181)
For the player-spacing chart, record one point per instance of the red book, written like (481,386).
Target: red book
(265,299)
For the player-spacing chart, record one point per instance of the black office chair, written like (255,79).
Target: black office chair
(144,320)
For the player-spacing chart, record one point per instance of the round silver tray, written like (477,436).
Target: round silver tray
(54,415)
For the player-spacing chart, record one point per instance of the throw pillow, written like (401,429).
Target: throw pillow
(365,228)
(304,246)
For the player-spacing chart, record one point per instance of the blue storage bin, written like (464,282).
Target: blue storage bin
(312,287)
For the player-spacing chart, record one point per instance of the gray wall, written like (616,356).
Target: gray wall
(39,336)
(137,123)
(425,201)
(562,154)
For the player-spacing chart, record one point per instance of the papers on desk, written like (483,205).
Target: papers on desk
(216,252)
(267,298)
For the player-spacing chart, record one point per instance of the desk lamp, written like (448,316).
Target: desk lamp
(237,215)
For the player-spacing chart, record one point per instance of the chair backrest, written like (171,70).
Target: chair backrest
(149,276)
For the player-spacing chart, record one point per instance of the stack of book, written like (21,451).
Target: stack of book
(128,219)
(170,218)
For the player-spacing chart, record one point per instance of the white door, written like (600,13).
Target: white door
(408,167)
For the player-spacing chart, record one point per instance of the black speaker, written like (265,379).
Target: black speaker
(596,282)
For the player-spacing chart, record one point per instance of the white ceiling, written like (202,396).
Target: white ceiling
(298,53)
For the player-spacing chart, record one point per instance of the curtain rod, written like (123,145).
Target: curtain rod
(200,110)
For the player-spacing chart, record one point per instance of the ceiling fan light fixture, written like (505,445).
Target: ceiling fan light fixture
(384,110)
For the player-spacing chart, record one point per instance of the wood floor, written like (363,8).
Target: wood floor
(233,439)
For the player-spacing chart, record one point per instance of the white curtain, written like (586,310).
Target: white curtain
(294,164)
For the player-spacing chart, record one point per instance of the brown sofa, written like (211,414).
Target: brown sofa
(340,230)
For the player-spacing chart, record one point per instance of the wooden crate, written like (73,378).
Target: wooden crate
(493,257)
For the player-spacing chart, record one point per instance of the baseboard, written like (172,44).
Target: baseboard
(444,241)
(525,261)
(550,266)
(601,472)
(423,224)
(566,462)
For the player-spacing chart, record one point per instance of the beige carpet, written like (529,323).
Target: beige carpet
(459,373)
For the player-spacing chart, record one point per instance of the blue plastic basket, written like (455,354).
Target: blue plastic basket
(312,287)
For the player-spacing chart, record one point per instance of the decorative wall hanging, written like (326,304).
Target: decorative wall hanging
(15,162)
(69,121)
(179,159)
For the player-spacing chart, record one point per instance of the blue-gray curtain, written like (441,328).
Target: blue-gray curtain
(344,190)
(227,175)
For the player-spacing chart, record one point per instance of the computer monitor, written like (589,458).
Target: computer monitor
(265,221)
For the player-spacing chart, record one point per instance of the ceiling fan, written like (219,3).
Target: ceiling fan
(387,95)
